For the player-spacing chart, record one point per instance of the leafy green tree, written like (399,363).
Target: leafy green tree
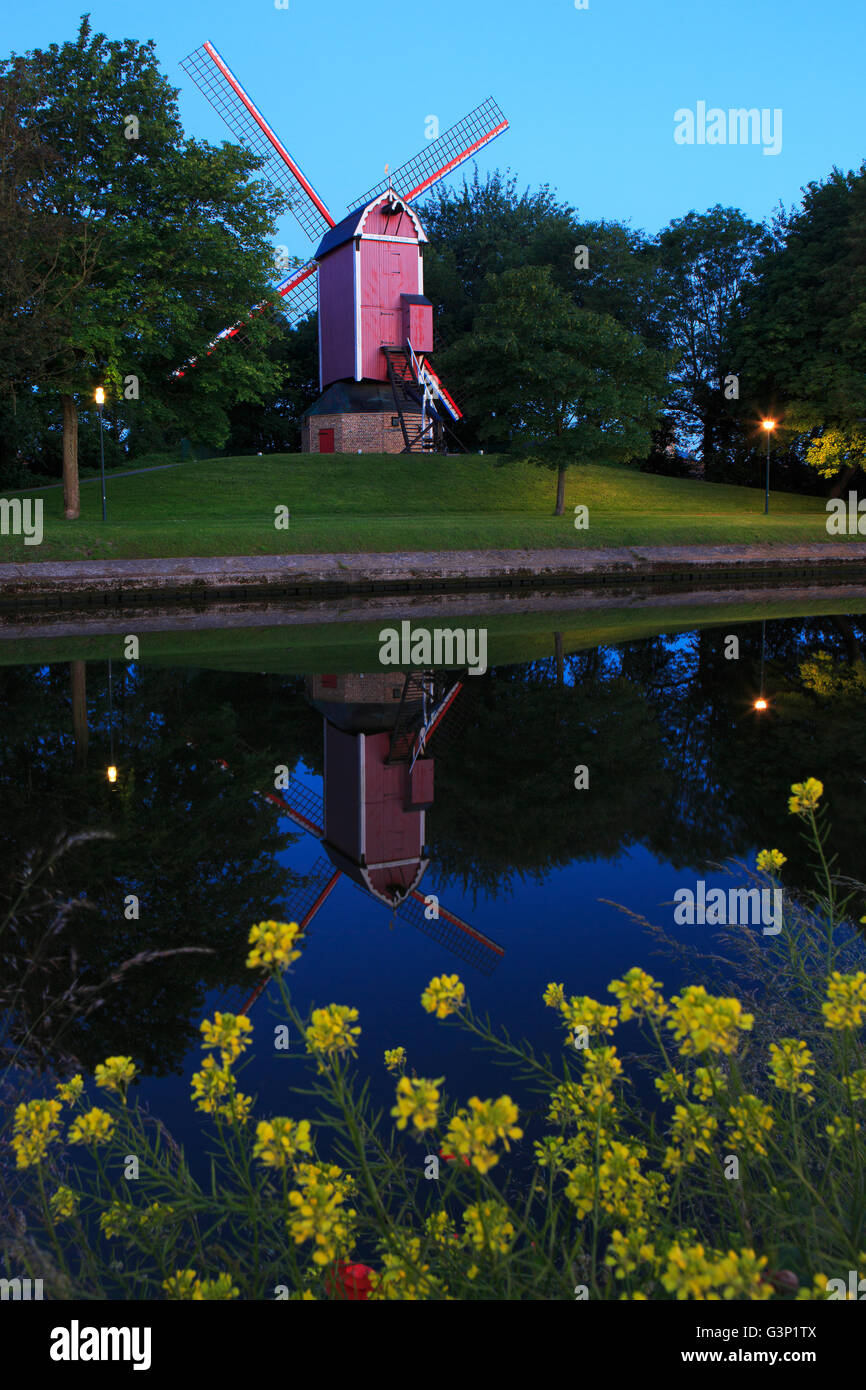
(802,340)
(556,384)
(166,242)
(707,261)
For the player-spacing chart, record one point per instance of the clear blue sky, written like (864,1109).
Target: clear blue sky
(590,94)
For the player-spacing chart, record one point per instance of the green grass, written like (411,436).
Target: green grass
(296,648)
(386,503)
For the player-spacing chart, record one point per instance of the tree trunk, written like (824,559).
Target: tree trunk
(560,493)
(71,495)
(77,680)
(843,480)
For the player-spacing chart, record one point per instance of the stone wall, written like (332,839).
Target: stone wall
(370,431)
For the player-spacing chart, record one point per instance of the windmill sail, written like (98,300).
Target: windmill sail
(217,82)
(299,293)
(442,156)
(450,931)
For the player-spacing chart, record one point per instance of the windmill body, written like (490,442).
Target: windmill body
(380,394)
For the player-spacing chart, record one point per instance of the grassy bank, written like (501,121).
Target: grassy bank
(387,503)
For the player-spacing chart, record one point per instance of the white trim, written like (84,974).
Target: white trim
(356,273)
(378,236)
(395,198)
(420,270)
(362,799)
(319,336)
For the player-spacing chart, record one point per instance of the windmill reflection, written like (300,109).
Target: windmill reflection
(378,787)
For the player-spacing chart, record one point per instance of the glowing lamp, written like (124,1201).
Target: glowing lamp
(112,774)
(99,396)
(761,704)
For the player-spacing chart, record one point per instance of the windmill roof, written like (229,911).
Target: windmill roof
(344,231)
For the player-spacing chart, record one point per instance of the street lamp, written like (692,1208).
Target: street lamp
(100,402)
(769,426)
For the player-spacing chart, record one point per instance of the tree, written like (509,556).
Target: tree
(489,227)
(181,240)
(802,337)
(707,261)
(557,384)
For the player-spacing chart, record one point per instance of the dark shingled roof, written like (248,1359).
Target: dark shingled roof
(344,231)
(349,397)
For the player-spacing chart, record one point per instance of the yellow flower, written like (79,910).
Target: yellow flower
(395,1057)
(228,1032)
(806,796)
(554,996)
(846,1000)
(752,1121)
(330,1032)
(769,860)
(708,1082)
(703,1022)
(117,1219)
(219,1290)
(639,995)
(70,1090)
(583,1011)
(96,1127)
(671,1085)
(444,995)
(274,945)
(791,1063)
(63,1204)
(858,1084)
(115,1074)
(627,1251)
(439,1228)
(487,1227)
(278,1140)
(418,1101)
(35,1127)
(695,1272)
(403,1277)
(619,1186)
(473,1132)
(839,1130)
(693,1129)
(319,1212)
(211,1086)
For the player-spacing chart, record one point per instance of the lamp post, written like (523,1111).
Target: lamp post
(769,426)
(100,402)
(111,770)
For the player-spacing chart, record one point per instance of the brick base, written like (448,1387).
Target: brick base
(366,432)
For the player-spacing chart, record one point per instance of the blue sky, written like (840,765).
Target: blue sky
(590,94)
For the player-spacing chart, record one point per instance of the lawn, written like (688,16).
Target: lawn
(386,503)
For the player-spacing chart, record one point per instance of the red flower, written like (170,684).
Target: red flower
(451,1158)
(345,1281)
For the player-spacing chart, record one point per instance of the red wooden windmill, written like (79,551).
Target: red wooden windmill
(378,785)
(379,392)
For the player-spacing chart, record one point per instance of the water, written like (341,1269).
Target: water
(683,776)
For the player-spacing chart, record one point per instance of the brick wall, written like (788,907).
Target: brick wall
(371,432)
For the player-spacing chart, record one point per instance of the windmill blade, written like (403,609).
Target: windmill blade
(299,291)
(215,80)
(453,933)
(302,805)
(298,299)
(442,156)
(321,880)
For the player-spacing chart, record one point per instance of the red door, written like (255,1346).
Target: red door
(326,441)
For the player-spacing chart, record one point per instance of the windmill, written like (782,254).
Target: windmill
(366,278)
(378,785)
